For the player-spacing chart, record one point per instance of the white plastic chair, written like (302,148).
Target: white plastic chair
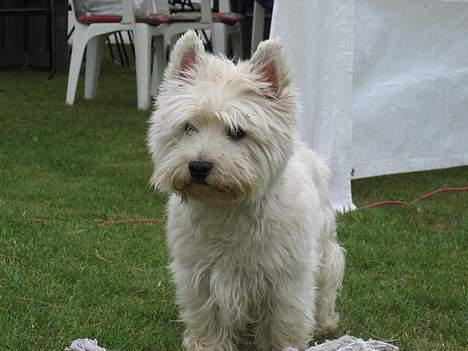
(177,25)
(221,25)
(226,25)
(91,33)
(258,24)
(161,25)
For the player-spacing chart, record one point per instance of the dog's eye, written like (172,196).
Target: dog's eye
(190,129)
(236,134)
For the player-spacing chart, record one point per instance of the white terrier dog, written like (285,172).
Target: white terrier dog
(251,231)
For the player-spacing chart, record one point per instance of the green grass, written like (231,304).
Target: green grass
(62,276)
(407,267)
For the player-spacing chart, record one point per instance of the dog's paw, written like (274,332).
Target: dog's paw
(192,344)
(328,325)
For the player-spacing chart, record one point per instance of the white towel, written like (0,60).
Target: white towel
(84,345)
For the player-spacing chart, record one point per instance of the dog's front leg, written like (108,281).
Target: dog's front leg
(207,332)
(209,328)
(287,320)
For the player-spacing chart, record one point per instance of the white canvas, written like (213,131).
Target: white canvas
(384,84)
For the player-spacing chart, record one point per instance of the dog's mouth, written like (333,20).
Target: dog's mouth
(200,182)
(209,191)
(205,185)
(213,189)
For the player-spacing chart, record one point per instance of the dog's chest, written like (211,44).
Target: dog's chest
(237,258)
(242,248)
(232,243)
(258,242)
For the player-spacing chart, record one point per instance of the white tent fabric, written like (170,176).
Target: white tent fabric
(384,84)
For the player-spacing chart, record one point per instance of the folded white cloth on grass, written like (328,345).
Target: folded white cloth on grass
(350,343)
(84,345)
(345,343)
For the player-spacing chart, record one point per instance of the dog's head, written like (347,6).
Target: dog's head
(222,132)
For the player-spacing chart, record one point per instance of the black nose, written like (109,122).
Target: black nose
(199,170)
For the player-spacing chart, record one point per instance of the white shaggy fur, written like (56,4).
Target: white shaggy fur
(255,243)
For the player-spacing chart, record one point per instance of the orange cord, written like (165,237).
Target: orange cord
(419,198)
(369,205)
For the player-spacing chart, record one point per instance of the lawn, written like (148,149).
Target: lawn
(63,275)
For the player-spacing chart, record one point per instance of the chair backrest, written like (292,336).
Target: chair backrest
(73,10)
(128,14)
(206,11)
(116,7)
(162,7)
(224,6)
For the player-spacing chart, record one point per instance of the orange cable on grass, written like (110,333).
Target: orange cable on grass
(419,198)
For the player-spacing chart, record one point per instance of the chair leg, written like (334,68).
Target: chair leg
(219,38)
(79,45)
(119,49)
(159,64)
(143,64)
(52,39)
(258,25)
(236,39)
(93,65)
(124,50)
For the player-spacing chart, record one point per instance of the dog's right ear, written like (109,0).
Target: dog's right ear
(187,54)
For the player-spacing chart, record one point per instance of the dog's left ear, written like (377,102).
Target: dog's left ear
(187,54)
(269,62)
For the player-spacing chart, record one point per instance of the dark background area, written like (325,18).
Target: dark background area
(25,40)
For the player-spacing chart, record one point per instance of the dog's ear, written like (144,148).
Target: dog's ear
(269,62)
(187,54)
